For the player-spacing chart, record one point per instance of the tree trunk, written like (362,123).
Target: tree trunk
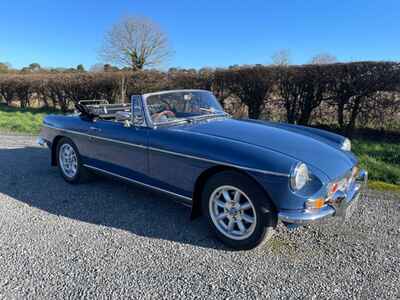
(305,112)
(63,105)
(290,111)
(123,89)
(305,117)
(45,101)
(340,113)
(353,117)
(254,111)
(8,99)
(22,102)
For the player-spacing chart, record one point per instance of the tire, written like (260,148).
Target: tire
(76,172)
(252,209)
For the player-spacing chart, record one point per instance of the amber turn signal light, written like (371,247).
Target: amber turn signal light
(315,203)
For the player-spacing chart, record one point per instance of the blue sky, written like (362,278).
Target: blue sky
(202,33)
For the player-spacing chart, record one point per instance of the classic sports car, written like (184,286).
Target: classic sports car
(242,175)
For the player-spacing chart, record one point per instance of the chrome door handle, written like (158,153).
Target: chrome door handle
(94,128)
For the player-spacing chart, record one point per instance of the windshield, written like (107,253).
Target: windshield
(182,106)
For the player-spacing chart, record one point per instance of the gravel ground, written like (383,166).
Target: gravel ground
(110,240)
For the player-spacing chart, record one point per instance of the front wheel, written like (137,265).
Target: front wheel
(238,210)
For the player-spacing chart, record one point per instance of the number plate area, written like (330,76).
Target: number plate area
(351,208)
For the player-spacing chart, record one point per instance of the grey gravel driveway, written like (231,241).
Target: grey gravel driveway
(110,240)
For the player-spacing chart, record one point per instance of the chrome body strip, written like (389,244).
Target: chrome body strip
(138,182)
(218,162)
(336,207)
(96,137)
(173,153)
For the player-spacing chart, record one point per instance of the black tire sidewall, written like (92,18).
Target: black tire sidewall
(266,216)
(78,175)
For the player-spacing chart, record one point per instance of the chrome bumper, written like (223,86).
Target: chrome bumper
(41,142)
(340,205)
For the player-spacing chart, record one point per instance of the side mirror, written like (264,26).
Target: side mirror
(137,113)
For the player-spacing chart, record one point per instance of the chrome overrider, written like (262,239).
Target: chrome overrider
(41,142)
(337,206)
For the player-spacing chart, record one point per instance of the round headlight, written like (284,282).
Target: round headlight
(299,176)
(346,145)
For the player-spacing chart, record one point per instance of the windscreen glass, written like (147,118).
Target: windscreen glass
(176,106)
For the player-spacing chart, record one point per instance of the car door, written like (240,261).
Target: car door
(169,168)
(119,150)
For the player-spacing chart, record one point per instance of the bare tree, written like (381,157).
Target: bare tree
(323,59)
(281,57)
(136,43)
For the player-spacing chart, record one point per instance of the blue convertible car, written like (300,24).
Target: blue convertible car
(242,175)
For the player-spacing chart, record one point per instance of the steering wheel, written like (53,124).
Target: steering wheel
(165,113)
(168,113)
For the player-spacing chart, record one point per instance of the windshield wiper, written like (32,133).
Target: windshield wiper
(214,115)
(173,122)
(212,110)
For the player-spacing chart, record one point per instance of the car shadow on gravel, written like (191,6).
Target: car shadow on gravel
(26,175)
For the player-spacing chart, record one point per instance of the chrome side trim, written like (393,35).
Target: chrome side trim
(173,153)
(117,141)
(96,137)
(137,182)
(218,162)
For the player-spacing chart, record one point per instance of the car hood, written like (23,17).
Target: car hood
(311,149)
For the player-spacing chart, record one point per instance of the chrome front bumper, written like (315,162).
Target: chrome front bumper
(341,205)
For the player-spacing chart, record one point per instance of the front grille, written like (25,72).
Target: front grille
(343,184)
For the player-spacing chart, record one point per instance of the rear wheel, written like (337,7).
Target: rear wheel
(238,210)
(70,163)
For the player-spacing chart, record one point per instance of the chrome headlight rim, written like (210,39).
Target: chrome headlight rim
(346,145)
(299,176)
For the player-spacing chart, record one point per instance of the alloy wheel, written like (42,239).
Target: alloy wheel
(232,212)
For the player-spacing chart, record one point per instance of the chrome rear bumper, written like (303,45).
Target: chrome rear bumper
(41,142)
(340,205)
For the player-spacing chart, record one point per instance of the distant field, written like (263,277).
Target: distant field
(381,159)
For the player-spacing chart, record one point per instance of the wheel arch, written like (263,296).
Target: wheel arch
(208,173)
(54,144)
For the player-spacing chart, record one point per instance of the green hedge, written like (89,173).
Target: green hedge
(342,94)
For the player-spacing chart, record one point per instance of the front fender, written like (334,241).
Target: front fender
(281,194)
(222,151)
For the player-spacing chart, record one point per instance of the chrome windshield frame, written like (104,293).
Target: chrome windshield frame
(143,106)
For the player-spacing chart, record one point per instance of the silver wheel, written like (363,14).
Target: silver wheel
(68,160)
(232,212)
